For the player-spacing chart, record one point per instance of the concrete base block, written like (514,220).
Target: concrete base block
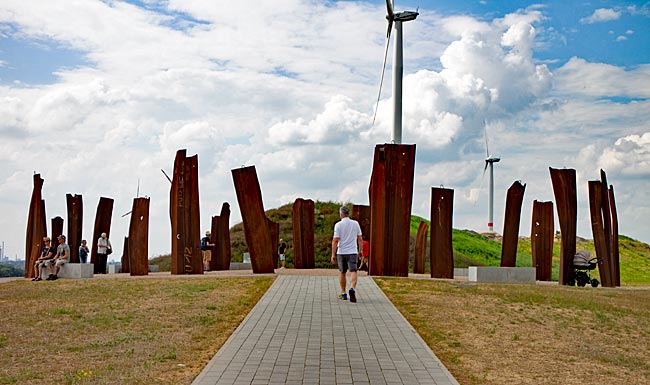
(71,270)
(154,268)
(522,275)
(240,266)
(460,272)
(115,268)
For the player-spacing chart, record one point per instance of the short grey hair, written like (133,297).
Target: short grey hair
(345,211)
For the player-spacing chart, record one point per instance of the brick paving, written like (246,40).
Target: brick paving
(301,333)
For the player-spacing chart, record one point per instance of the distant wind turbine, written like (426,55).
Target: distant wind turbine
(489,161)
(395,19)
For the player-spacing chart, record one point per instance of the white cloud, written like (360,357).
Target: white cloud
(601,15)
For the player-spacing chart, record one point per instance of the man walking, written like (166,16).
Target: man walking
(346,246)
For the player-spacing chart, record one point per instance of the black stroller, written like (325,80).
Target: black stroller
(583,264)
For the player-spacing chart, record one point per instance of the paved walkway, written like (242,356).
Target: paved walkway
(296,335)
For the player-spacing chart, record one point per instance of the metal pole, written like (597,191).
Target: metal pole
(491,200)
(398,69)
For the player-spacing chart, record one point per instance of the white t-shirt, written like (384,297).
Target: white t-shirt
(347,230)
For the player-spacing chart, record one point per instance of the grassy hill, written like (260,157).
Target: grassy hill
(470,248)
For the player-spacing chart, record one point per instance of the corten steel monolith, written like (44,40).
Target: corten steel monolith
(75,224)
(185,216)
(420,248)
(541,239)
(139,237)
(256,230)
(125,256)
(441,249)
(391,195)
(361,214)
(303,234)
(598,230)
(36,227)
(57,229)
(221,253)
(274,230)
(103,220)
(614,250)
(610,219)
(511,221)
(566,200)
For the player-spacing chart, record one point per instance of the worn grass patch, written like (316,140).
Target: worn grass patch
(525,334)
(131,331)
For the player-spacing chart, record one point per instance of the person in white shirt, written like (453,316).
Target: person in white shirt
(346,247)
(103,247)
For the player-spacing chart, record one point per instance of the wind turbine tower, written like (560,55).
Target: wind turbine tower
(396,20)
(489,161)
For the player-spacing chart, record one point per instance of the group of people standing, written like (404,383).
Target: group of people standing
(53,258)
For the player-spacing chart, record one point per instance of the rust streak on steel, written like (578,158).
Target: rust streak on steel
(36,227)
(221,253)
(566,199)
(361,213)
(126,268)
(75,224)
(441,252)
(391,196)
(274,229)
(256,230)
(57,229)
(614,244)
(511,221)
(139,237)
(103,220)
(185,216)
(598,231)
(541,239)
(420,248)
(303,234)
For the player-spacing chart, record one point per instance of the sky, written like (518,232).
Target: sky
(97,97)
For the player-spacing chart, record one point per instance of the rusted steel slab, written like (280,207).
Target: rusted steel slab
(256,230)
(57,229)
(139,237)
(511,221)
(126,268)
(103,219)
(420,248)
(598,230)
(75,224)
(221,253)
(566,200)
(185,216)
(36,227)
(541,239)
(361,213)
(614,245)
(441,250)
(303,234)
(274,230)
(607,225)
(391,196)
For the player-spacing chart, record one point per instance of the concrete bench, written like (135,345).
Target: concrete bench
(486,274)
(240,266)
(71,270)
(116,268)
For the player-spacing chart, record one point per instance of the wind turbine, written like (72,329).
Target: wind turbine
(489,161)
(396,20)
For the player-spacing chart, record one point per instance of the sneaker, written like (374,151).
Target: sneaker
(38,279)
(55,277)
(343,296)
(353,295)
(49,277)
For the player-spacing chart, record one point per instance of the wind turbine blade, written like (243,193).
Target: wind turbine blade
(167,176)
(389,10)
(137,193)
(487,149)
(383,70)
(485,168)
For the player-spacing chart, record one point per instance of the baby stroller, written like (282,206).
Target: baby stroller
(583,264)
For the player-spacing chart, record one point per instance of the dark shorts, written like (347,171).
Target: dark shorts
(347,262)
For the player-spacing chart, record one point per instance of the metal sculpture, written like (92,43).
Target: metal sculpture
(441,250)
(511,221)
(57,229)
(541,239)
(139,237)
(126,268)
(361,213)
(36,227)
(256,230)
(565,191)
(391,196)
(185,216)
(303,234)
(420,248)
(221,254)
(274,230)
(103,220)
(75,224)
(604,225)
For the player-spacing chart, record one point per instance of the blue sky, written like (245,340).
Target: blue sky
(108,91)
